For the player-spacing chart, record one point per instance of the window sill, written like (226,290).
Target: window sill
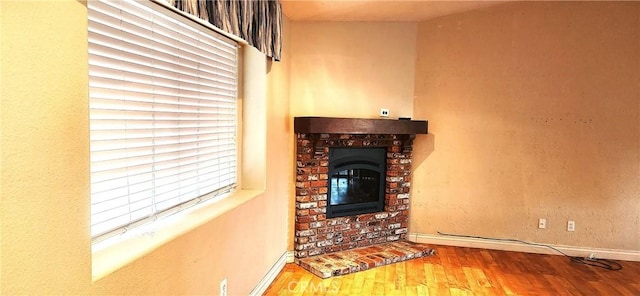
(117,252)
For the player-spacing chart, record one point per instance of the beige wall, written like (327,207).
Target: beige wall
(45,140)
(44,157)
(280,137)
(534,112)
(344,69)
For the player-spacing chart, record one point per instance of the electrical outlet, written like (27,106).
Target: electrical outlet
(571,225)
(542,223)
(223,287)
(384,112)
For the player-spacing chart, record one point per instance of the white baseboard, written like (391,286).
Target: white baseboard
(612,254)
(272,274)
(290,256)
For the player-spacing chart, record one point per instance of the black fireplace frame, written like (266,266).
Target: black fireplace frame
(345,158)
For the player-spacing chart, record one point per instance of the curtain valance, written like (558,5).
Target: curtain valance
(259,22)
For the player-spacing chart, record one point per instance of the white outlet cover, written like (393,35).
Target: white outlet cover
(384,112)
(571,226)
(223,287)
(542,223)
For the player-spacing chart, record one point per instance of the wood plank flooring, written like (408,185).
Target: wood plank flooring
(467,271)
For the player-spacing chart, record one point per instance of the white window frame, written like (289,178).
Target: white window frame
(99,162)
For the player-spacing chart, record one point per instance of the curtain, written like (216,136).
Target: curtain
(259,22)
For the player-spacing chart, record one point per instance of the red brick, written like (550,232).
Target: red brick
(302,226)
(316,251)
(316,211)
(365,217)
(317,197)
(319,183)
(365,230)
(303,198)
(334,221)
(317,224)
(304,140)
(334,248)
(382,216)
(321,170)
(306,205)
(350,232)
(363,243)
(304,171)
(379,240)
(305,219)
(342,227)
(325,230)
(303,184)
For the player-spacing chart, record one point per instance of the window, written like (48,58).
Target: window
(163,114)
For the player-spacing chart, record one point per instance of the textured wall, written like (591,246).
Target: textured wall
(534,112)
(45,148)
(344,69)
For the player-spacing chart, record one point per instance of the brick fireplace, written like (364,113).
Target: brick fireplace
(315,234)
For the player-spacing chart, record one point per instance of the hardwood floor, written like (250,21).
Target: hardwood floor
(467,271)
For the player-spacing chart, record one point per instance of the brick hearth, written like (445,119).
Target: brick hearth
(350,261)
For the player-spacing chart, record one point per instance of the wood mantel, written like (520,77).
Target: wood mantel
(333,125)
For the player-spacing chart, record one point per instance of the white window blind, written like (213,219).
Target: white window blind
(163,106)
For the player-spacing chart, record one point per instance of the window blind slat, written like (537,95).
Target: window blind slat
(163,109)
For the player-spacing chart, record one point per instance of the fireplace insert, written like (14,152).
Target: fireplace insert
(357,181)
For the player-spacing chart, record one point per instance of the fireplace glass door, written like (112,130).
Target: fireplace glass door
(357,178)
(354,186)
